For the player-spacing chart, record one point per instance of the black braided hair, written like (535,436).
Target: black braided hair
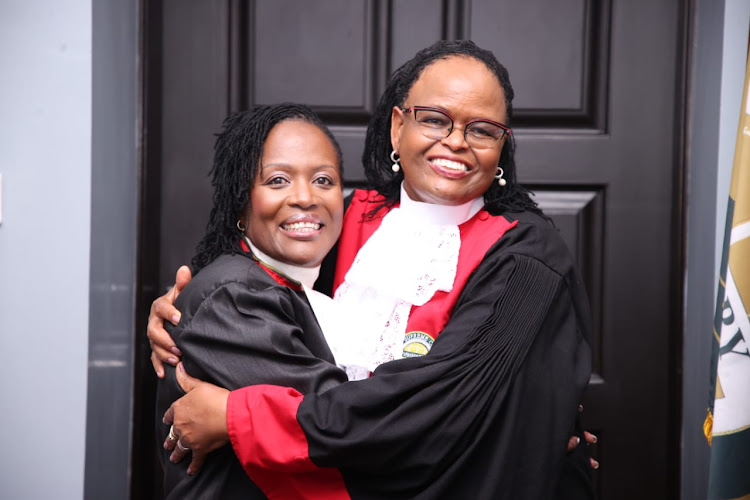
(511,198)
(237,154)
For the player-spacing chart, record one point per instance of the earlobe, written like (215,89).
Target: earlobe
(397,125)
(242,219)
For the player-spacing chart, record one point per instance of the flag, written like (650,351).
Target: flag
(727,426)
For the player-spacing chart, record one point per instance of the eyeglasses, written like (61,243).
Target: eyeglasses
(437,124)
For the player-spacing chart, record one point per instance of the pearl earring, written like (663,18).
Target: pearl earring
(499,177)
(395,167)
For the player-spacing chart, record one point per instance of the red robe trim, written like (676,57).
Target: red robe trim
(278,463)
(310,482)
(262,419)
(478,234)
(275,275)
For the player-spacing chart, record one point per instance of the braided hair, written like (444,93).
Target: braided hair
(512,197)
(237,154)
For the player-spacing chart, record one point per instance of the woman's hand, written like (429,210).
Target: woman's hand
(590,439)
(199,420)
(163,348)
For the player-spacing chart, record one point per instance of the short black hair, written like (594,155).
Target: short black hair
(512,197)
(237,153)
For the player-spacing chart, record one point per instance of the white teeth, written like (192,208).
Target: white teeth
(302,226)
(452,165)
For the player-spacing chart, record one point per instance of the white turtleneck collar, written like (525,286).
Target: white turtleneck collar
(431,213)
(304,275)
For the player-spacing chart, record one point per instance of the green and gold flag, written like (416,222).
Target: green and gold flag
(727,425)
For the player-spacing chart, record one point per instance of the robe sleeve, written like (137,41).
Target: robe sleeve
(240,336)
(235,334)
(486,414)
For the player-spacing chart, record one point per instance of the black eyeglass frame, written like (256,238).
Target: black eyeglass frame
(506,130)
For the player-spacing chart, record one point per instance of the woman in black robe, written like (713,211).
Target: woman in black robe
(245,316)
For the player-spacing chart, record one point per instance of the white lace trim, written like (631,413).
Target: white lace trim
(407,260)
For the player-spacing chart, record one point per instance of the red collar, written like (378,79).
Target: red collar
(273,273)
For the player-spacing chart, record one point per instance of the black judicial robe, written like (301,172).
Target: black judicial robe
(486,414)
(240,326)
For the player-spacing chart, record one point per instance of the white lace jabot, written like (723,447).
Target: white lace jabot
(412,255)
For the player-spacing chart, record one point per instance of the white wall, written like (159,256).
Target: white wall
(45,162)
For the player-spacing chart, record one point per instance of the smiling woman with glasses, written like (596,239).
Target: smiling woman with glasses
(470,350)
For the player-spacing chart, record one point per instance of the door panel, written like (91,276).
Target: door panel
(194,102)
(595,121)
(557,79)
(327,54)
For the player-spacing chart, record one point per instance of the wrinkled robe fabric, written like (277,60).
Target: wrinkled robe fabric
(486,414)
(240,326)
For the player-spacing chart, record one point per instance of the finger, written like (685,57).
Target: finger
(169,445)
(179,453)
(163,355)
(590,438)
(573,442)
(162,310)
(171,440)
(159,337)
(594,464)
(157,364)
(169,415)
(195,465)
(181,279)
(187,382)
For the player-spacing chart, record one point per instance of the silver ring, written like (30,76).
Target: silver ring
(172,436)
(182,448)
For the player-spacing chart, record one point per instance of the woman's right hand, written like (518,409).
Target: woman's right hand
(198,419)
(163,348)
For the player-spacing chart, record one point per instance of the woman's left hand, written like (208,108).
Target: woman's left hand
(198,419)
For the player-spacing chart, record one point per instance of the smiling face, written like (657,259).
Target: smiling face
(296,202)
(449,171)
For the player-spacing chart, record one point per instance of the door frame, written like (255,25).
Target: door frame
(686,327)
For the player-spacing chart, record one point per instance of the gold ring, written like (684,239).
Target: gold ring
(172,436)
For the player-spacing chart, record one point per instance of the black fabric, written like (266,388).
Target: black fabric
(489,411)
(575,478)
(238,328)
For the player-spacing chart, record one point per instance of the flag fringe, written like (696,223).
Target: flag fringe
(708,426)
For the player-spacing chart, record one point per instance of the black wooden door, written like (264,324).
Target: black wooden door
(597,122)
